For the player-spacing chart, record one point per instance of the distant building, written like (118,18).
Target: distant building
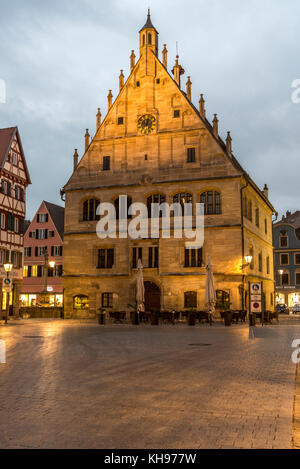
(287,259)
(43,243)
(14,180)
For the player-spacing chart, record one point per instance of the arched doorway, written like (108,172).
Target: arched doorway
(152,297)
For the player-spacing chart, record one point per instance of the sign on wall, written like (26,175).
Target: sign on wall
(7,285)
(256,297)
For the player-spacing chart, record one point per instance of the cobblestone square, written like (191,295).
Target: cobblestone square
(78,385)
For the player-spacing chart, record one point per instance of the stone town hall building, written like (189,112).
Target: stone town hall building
(154,145)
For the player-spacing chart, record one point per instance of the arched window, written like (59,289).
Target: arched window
(149,39)
(155,199)
(183,199)
(268,265)
(144,39)
(120,211)
(81,302)
(90,210)
(212,202)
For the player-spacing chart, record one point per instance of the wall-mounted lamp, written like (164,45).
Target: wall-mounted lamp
(248,260)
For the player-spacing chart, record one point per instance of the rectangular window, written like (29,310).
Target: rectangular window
(285,279)
(106,163)
(34,271)
(56,251)
(120,120)
(3,224)
(107,300)
(106,258)
(193,257)
(284,259)
(27,252)
(153,258)
(190,299)
(137,253)
(42,234)
(42,218)
(283,241)
(257,221)
(138,84)
(176,114)
(191,155)
(297,259)
(297,278)
(266,226)
(25,271)
(268,265)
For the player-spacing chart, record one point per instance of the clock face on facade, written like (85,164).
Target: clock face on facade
(146,124)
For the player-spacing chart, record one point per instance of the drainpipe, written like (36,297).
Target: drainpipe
(243,241)
(273,241)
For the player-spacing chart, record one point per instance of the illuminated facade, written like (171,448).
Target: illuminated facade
(43,243)
(287,259)
(14,180)
(155,145)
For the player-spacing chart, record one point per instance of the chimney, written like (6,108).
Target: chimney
(202,107)
(189,89)
(216,126)
(76,158)
(288,214)
(132,60)
(229,144)
(121,80)
(165,56)
(109,99)
(266,191)
(87,139)
(98,121)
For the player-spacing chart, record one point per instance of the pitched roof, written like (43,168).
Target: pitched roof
(148,24)
(290,219)
(57,213)
(6,138)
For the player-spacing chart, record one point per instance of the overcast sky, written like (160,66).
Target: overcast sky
(59,58)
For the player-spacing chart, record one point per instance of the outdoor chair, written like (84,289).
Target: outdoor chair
(203,316)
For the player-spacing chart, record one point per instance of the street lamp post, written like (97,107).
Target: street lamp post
(47,264)
(248,260)
(8,268)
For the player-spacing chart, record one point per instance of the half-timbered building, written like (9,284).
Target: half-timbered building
(14,179)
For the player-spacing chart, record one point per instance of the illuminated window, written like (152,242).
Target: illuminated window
(34,271)
(81,302)
(25,271)
(107,300)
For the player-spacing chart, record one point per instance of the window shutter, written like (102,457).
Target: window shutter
(47,217)
(29,271)
(46,234)
(36,234)
(36,251)
(52,251)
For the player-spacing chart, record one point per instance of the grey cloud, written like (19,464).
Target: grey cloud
(59,59)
